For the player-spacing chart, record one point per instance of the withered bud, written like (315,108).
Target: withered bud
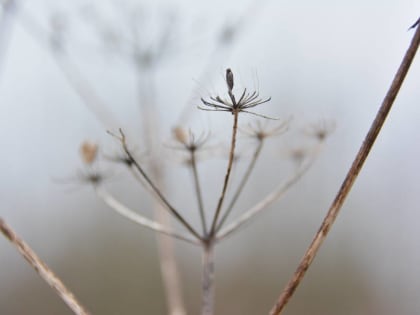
(180,134)
(88,152)
(229,79)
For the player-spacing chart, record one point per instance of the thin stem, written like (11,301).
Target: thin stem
(129,214)
(157,190)
(208,280)
(198,191)
(43,270)
(241,184)
(228,171)
(71,73)
(151,134)
(350,177)
(268,200)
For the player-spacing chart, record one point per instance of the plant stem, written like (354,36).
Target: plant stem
(242,183)
(151,133)
(131,215)
(198,191)
(157,191)
(350,177)
(208,279)
(269,199)
(43,270)
(228,171)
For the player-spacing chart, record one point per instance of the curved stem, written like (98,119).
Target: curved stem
(129,214)
(241,184)
(228,171)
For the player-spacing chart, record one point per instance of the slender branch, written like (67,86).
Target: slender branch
(269,199)
(198,191)
(228,171)
(208,280)
(71,73)
(350,177)
(242,183)
(43,270)
(129,214)
(156,189)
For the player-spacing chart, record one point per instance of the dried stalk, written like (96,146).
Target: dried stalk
(241,184)
(126,212)
(167,260)
(268,200)
(155,188)
(208,279)
(43,270)
(198,191)
(228,171)
(350,177)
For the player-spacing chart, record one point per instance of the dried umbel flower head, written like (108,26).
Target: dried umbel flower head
(261,131)
(245,102)
(320,130)
(189,140)
(88,152)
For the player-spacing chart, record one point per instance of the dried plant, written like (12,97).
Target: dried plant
(217,229)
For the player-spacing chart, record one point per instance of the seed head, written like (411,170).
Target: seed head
(88,152)
(229,79)
(234,105)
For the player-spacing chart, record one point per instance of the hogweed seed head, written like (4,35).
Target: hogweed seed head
(243,104)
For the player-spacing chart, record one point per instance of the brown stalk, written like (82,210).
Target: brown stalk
(43,270)
(235,113)
(350,177)
(156,190)
(241,184)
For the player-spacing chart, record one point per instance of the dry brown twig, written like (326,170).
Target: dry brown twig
(43,270)
(350,177)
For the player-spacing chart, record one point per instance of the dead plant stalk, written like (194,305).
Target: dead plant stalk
(43,270)
(350,177)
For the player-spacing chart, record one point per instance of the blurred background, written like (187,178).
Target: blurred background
(70,70)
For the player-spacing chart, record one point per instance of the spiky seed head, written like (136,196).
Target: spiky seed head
(229,79)
(88,152)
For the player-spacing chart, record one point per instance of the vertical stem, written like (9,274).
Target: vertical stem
(241,184)
(198,191)
(208,279)
(228,171)
(168,266)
